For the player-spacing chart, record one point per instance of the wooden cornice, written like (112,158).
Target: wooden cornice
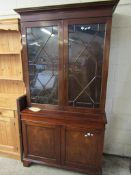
(95,5)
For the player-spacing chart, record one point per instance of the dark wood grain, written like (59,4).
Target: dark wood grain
(75,139)
(79,153)
(106,62)
(60,135)
(26,163)
(89,5)
(41,141)
(25,58)
(21,105)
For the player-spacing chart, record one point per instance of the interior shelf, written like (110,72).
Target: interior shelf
(13,78)
(10,53)
(11,67)
(12,87)
(10,42)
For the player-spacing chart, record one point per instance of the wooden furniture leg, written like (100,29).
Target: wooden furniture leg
(26,163)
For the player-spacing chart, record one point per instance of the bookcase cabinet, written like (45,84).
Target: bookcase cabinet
(65,56)
(11,87)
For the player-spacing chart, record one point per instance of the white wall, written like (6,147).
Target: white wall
(118,103)
(6,6)
(118,106)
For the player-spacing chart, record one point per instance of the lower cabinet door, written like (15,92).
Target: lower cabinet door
(41,142)
(8,135)
(82,148)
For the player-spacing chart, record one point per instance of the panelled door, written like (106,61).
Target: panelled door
(84,60)
(44,45)
(8,131)
(81,147)
(41,141)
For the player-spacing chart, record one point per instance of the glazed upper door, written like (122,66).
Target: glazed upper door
(43,57)
(84,62)
(67,63)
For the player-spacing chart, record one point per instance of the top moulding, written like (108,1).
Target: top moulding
(9,24)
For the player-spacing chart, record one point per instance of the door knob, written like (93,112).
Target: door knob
(89,134)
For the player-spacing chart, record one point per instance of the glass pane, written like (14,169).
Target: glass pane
(43,63)
(85,64)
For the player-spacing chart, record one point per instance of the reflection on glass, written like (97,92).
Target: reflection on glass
(42,45)
(85,64)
